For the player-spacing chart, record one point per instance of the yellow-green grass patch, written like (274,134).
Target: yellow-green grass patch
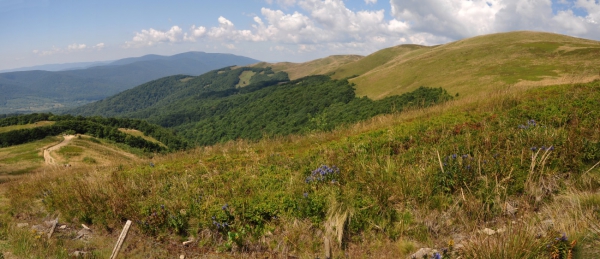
(24,158)
(245,78)
(26,126)
(322,66)
(486,63)
(186,79)
(138,133)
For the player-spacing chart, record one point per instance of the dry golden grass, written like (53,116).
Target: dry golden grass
(26,126)
(321,66)
(468,66)
(138,133)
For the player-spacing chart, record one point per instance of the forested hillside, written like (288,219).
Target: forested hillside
(250,103)
(106,128)
(30,91)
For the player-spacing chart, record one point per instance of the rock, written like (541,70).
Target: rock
(78,254)
(501,230)
(84,234)
(50,223)
(510,209)
(548,223)
(182,257)
(488,231)
(63,227)
(22,225)
(423,252)
(39,228)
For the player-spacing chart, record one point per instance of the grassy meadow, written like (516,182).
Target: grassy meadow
(522,161)
(26,126)
(466,67)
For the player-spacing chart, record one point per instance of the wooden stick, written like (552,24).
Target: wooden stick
(121,239)
(53,227)
(327,248)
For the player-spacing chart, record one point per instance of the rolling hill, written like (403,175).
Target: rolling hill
(322,66)
(251,103)
(30,91)
(470,66)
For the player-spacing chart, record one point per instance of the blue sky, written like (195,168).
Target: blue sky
(36,32)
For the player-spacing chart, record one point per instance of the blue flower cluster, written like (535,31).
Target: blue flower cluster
(543,148)
(324,173)
(219,225)
(530,124)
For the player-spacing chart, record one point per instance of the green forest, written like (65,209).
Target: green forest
(213,108)
(105,128)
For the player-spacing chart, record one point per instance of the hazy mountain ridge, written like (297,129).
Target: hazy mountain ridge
(75,87)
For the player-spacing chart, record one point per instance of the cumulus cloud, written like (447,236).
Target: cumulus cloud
(195,33)
(99,46)
(456,19)
(76,46)
(317,25)
(151,37)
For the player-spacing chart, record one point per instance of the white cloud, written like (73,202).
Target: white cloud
(195,32)
(151,37)
(99,46)
(453,19)
(76,47)
(457,19)
(330,26)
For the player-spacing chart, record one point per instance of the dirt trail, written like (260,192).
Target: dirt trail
(48,158)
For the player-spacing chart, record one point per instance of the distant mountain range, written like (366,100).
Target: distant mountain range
(60,67)
(31,91)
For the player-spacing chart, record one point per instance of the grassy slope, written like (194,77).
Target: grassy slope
(321,66)
(485,63)
(390,181)
(468,67)
(22,159)
(370,62)
(27,126)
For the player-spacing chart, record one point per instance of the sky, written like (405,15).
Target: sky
(37,32)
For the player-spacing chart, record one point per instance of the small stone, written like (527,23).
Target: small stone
(548,223)
(39,228)
(423,252)
(22,225)
(182,257)
(63,227)
(84,234)
(188,242)
(50,223)
(510,210)
(78,254)
(501,230)
(488,231)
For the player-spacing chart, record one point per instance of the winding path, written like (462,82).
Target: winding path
(48,158)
